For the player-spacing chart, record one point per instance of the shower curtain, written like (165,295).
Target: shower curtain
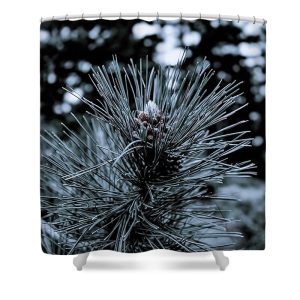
(152,135)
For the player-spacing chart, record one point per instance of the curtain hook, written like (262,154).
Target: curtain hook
(41,19)
(254,20)
(200,16)
(157,16)
(120,16)
(180,16)
(239,18)
(100,15)
(219,18)
(264,22)
(52,18)
(138,15)
(66,17)
(82,16)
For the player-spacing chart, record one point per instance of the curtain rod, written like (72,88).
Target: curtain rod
(156,16)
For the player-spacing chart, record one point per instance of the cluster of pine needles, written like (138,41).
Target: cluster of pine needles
(136,175)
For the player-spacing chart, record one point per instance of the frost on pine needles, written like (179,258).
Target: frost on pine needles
(136,175)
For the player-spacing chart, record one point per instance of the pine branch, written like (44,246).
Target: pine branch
(136,176)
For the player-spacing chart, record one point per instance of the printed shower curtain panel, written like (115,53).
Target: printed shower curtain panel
(152,135)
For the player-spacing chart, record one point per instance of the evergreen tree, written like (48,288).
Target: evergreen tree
(137,175)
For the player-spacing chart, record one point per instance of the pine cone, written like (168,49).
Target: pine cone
(153,120)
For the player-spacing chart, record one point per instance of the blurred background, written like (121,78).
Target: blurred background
(235,50)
